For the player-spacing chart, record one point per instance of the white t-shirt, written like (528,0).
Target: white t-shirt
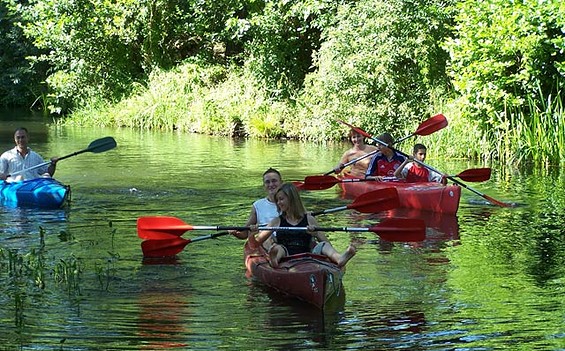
(266,211)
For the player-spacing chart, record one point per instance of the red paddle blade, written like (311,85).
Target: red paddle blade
(376,201)
(319,182)
(496,202)
(357,130)
(432,125)
(151,234)
(161,227)
(475,175)
(401,229)
(163,248)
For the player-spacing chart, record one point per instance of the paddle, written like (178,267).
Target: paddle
(394,229)
(486,197)
(97,146)
(169,247)
(326,182)
(429,126)
(371,202)
(166,227)
(475,175)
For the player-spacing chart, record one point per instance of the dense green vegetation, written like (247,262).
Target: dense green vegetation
(293,68)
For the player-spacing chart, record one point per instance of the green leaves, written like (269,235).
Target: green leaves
(380,62)
(502,51)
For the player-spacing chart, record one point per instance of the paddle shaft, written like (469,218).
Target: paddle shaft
(29,169)
(209,236)
(394,229)
(352,162)
(210,227)
(98,145)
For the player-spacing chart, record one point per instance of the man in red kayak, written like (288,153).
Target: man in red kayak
(357,151)
(386,161)
(22,162)
(415,172)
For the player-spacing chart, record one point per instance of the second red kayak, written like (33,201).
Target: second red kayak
(421,196)
(308,277)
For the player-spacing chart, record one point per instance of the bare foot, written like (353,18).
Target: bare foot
(347,255)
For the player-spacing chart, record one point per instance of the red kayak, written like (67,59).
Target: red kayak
(421,196)
(308,277)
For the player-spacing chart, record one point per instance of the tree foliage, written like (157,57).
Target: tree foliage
(504,52)
(380,63)
(282,39)
(100,48)
(20,82)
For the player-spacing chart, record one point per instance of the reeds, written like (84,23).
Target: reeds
(537,132)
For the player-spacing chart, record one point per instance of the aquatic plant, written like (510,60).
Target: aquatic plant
(68,272)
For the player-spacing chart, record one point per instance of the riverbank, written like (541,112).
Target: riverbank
(219,101)
(213,101)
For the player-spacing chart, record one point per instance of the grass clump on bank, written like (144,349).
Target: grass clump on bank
(194,99)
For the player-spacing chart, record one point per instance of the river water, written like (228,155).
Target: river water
(489,278)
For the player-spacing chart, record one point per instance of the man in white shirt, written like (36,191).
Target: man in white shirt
(21,158)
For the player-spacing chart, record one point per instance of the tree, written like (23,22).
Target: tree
(504,52)
(380,62)
(20,82)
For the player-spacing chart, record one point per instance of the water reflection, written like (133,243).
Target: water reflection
(299,325)
(488,278)
(162,318)
(389,327)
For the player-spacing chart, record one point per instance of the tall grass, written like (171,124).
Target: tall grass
(195,99)
(538,135)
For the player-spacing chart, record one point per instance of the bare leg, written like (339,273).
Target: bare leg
(339,259)
(347,255)
(275,255)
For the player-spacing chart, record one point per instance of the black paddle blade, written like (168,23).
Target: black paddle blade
(102,144)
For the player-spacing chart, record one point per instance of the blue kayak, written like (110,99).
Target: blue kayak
(39,192)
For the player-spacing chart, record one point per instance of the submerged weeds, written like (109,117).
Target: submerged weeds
(68,273)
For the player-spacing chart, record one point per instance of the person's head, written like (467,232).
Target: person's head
(419,152)
(387,139)
(272,179)
(21,137)
(288,201)
(356,138)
